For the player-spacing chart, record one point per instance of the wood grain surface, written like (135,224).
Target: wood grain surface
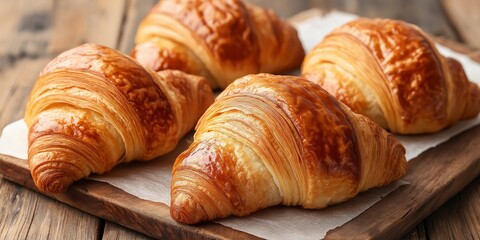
(37,217)
(434,177)
(114,231)
(108,202)
(33,32)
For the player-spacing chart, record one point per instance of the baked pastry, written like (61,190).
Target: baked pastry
(93,108)
(392,72)
(271,140)
(221,40)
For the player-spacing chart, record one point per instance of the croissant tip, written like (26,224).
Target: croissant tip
(49,179)
(54,185)
(184,209)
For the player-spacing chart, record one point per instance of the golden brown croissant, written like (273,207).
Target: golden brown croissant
(392,72)
(221,40)
(93,108)
(271,140)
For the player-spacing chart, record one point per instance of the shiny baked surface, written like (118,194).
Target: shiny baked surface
(221,40)
(270,140)
(392,72)
(93,107)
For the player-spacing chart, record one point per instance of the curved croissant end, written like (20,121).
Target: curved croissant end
(392,72)
(271,140)
(221,40)
(93,107)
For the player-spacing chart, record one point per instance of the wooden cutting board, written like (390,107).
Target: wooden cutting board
(434,176)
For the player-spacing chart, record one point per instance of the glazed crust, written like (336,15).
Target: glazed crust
(93,107)
(221,40)
(271,140)
(392,72)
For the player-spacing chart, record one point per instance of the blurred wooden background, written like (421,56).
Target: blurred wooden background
(33,32)
(453,19)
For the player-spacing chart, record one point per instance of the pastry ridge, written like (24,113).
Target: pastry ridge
(221,40)
(93,108)
(270,140)
(392,72)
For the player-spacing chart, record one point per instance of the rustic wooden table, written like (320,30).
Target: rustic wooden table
(33,32)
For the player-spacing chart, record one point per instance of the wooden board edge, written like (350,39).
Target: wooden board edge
(150,218)
(442,171)
(153,218)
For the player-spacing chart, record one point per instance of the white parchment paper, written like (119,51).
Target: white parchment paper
(151,180)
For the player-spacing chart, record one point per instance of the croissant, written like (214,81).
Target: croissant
(93,108)
(392,72)
(271,140)
(221,40)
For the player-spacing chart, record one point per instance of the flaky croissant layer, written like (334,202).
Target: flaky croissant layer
(392,72)
(221,40)
(93,108)
(271,140)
